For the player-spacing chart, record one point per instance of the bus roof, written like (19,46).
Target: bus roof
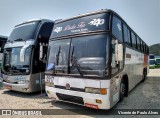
(86,14)
(96,12)
(3,38)
(91,13)
(34,20)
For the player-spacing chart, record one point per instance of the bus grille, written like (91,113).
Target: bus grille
(72,88)
(69,98)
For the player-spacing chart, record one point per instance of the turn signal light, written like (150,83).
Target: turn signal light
(103,91)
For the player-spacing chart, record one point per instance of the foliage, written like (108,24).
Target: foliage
(155,49)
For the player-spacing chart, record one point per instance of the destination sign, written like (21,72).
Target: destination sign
(81,25)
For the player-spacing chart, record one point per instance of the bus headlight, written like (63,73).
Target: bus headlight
(89,90)
(96,90)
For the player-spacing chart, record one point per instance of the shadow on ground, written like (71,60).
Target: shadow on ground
(35,95)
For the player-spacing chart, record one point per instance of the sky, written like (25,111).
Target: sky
(143,16)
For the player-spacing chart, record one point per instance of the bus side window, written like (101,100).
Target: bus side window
(45,32)
(126,34)
(134,43)
(117,28)
(138,44)
(142,46)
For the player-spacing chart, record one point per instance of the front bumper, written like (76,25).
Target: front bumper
(17,87)
(88,99)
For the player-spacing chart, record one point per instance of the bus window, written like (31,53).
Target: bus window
(117,28)
(126,34)
(134,43)
(45,31)
(142,46)
(129,37)
(138,44)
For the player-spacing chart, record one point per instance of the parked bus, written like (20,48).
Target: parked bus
(94,60)
(3,40)
(152,64)
(23,67)
(157,62)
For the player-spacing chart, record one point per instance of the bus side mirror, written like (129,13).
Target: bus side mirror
(22,53)
(119,52)
(42,51)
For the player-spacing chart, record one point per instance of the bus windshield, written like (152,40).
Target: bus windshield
(12,61)
(24,31)
(85,56)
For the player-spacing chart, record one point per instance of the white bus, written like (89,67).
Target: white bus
(94,60)
(23,68)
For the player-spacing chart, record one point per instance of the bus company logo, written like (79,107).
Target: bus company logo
(58,29)
(68,86)
(97,22)
(6,112)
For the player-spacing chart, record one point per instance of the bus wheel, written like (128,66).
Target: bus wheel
(144,76)
(122,91)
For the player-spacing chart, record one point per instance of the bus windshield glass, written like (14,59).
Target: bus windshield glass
(85,56)
(12,61)
(24,31)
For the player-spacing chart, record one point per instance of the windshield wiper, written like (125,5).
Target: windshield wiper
(57,55)
(74,62)
(13,69)
(16,71)
(19,40)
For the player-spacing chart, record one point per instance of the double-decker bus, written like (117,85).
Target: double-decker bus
(94,60)
(23,67)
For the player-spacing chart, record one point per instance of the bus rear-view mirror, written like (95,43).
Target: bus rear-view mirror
(22,53)
(42,51)
(119,52)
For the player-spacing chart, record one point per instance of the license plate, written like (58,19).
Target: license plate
(8,87)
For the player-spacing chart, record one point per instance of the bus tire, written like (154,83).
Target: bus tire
(144,76)
(122,90)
